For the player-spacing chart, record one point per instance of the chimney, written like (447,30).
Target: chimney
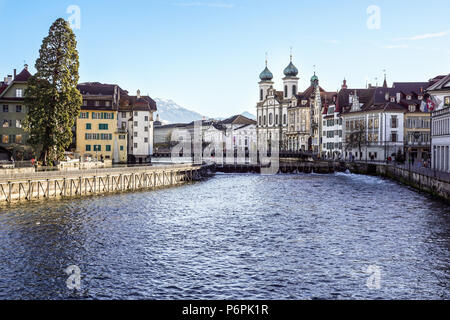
(139,94)
(26,67)
(15,73)
(344,84)
(9,79)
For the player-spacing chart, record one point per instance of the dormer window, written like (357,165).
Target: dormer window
(392,99)
(412,108)
(420,97)
(408,97)
(19,93)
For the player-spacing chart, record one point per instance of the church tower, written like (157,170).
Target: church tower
(290,81)
(265,84)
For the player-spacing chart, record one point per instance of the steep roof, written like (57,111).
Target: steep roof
(96,88)
(238,119)
(23,76)
(443,84)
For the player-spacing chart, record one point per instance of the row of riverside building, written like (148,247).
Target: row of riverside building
(409,120)
(112,124)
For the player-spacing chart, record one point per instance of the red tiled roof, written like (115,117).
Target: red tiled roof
(24,75)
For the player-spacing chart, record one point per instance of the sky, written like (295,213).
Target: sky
(207,55)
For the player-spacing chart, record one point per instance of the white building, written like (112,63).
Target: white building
(291,116)
(136,116)
(332,132)
(242,130)
(440,124)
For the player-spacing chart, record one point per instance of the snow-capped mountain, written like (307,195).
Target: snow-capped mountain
(170,112)
(249,115)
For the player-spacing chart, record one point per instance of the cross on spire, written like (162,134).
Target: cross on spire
(291,53)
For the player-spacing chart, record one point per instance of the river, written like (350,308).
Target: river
(247,236)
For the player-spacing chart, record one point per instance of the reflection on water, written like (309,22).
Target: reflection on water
(232,237)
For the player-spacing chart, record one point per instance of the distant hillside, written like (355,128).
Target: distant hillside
(170,112)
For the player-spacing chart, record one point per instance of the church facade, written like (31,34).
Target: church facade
(291,117)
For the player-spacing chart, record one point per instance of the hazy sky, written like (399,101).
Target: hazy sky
(207,54)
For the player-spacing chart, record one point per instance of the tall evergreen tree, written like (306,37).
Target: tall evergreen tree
(52,97)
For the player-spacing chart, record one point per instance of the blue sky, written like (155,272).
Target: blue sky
(207,54)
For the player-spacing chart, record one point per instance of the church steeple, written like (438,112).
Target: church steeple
(385,82)
(290,81)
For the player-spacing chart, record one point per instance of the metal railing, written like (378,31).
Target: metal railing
(93,172)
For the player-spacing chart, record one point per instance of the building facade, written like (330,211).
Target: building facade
(136,117)
(440,138)
(97,133)
(293,117)
(12,114)
(381,122)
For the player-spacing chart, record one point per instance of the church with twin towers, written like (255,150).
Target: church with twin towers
(290,116)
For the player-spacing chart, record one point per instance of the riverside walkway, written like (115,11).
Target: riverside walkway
(60,184)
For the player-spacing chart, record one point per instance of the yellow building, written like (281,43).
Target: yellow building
(97,134)
(417,134)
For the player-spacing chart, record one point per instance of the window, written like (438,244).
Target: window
(146,129)
(393,121)
(146,140)
(394,136)
(97,103)
(412,108)
(135,145)
(270,119)
(146,118)
(294,89)
(5,108)
(107,103)
(103,126)
(121,148)
(12,138)
(135,134)
(285,91)
(19,138)
(261,94)
(135,123)
(265,122)
(18,123)
(88,126)
(447,101)
(85,115)
(124,114)
(284,119)
(5,139)
(19,93)
(122,137)
(97,148)
(108,148)
(259,120)
(85,103)
(135,114)
(6,124)
(88,147)
(18,108)
(276,119)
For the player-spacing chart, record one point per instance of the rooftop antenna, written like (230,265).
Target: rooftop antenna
(376,81)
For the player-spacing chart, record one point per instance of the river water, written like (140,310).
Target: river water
(337,236)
